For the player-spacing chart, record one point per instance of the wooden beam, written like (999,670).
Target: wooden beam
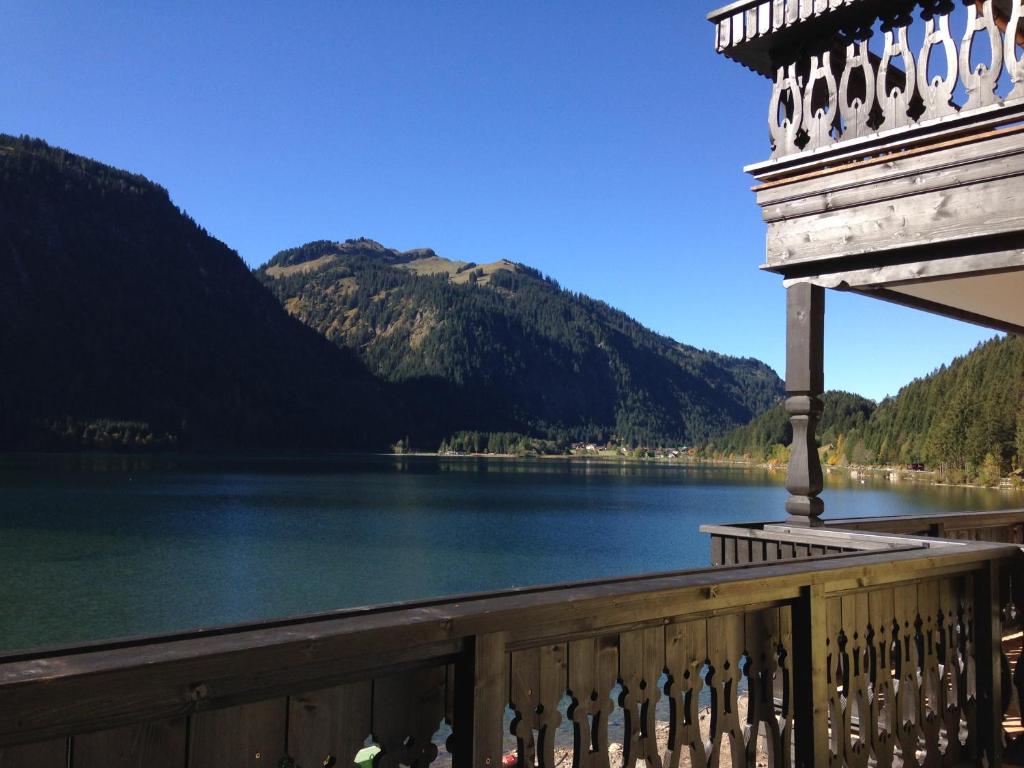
(988,648)
(490,695)
(810,715)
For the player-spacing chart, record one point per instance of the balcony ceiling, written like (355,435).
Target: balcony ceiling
(994,300)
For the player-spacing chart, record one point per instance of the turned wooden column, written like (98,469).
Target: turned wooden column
(805,381)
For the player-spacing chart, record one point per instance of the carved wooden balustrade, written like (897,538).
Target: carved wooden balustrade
(884,653)
(853,74)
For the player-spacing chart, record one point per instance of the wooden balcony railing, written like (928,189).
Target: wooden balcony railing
(766,542)
(1006,526)
(849,80)
(886,652)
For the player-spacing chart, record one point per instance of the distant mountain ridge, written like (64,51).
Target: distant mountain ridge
(499,347)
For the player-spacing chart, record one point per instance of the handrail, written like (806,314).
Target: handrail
(467,646)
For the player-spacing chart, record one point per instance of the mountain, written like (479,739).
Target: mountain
(965,419)
(123,324)
(497,347)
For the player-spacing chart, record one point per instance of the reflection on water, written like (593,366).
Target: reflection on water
(103,546)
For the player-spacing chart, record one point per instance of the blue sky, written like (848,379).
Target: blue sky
(600,142)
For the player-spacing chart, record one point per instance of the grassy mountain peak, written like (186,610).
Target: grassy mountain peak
(496,346)
(322,254)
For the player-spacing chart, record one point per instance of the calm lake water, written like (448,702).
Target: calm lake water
(98,547)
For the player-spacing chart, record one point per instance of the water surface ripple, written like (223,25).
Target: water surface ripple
(104,546)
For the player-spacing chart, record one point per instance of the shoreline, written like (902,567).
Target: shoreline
(919,477)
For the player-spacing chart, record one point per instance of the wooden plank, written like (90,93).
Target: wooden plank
(929,706)
(874,227)
(725,647)
(908,696)
(462,680)
(46,754)
(249,736)
(810,679)
(685,653)
(641,661)
(329,723)
(717,551)
(737,28)
(957,260)
(761,639)
(951,698)
(159,744)
(968,164)
(592,670)
(751,23)
(729,551)
(524,697)
(859,718)
(901,524)
(538,682)
(775,534)
(838,715)
(967,128)
(490,695)
(784,688)
(757,551)
(742,550)
(988,647)
(407,712)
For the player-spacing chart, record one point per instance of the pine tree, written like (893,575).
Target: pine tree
(1020,433)
(990,472)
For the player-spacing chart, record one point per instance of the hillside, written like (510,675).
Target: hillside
(957,418)
(844,412)
(965,420)
(124,325)
(499,348)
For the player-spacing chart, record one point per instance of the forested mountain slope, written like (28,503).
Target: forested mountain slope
(123,324)
(497,347)
(844,413)
(957,416)
(965,419)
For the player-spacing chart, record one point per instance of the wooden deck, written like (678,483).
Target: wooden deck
(902,633)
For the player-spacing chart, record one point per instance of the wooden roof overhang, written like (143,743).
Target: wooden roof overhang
(939,228)
(886,178)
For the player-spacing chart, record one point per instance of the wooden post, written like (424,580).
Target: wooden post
(988,647)
(805,380)
(462,740)
(810,678)
(490,696)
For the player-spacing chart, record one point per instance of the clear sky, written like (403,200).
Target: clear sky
(601,142)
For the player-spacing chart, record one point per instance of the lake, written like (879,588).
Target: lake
(94,547)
